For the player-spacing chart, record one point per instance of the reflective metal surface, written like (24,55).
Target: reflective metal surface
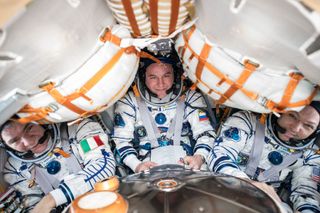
(172,188)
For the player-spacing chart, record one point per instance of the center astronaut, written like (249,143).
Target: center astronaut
(160,122)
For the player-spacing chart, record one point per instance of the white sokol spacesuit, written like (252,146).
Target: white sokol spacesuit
(128,122)
(161,130)
(76,158)
(234,154)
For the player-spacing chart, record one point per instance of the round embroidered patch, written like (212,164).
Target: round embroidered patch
(275,157)
(233,134)
(53,167)
(160,118)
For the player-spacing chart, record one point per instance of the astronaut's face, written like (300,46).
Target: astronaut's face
(298,125)
(24,137)
(159,78)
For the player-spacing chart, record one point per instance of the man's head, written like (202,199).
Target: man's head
(24,138)
(159,78)
(298,129)
(298,125)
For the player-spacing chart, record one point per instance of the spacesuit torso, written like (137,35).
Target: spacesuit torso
(233,150)
(196,132)
(81,157)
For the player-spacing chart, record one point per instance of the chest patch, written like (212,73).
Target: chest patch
(53,167)
(316,174)
(118,120)
(242,159)
(275,158)
(233,134)
(160,118)
(202,116)
(90,143)
(141,131)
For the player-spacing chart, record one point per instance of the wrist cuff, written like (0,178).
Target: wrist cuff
(132,162)
(58,196)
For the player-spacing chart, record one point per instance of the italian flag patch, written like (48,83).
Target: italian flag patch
(90,143)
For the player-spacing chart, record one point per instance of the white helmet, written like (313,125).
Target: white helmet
(174,92)
(51,131)
(274,128)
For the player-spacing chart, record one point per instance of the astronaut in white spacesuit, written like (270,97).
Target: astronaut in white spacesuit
(267,153)
(53,164)
(170,128)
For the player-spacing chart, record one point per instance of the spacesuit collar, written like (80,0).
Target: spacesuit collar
(157,101)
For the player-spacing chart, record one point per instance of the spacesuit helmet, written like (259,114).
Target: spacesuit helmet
(174,92)
(274,128)
(51,134)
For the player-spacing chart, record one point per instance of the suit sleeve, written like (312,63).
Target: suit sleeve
(18,176)
(202,130)
(232,139)
(98,163)
(305,182)
(125,118)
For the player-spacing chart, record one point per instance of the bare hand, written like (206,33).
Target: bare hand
(145,166)
(46,204)
(194,162)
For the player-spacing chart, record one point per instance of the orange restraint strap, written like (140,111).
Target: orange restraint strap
(203,63)
(66,100)
(108,36)
(287,95)
(202,60)
(136,91)
(144,54)
(154,16)
(38,114)
(306,101)
(249,68)
(182,49)
(131,17)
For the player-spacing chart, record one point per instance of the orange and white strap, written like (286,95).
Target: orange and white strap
(175,6)
(287,95)
(131,17)
(39,114)
(154,16)
(249,68)
(36,114)
(202,62)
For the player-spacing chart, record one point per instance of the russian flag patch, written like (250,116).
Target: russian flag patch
(202,116)
(90,143)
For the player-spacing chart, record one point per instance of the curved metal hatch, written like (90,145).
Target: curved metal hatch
(172,188)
